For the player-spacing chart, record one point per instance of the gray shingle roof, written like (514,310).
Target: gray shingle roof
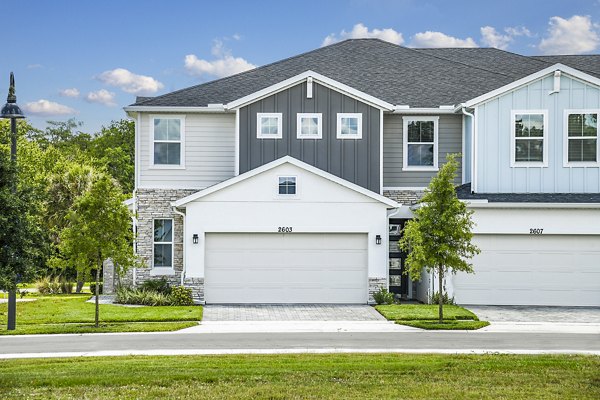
(464,192)
(395,74)
(587,63)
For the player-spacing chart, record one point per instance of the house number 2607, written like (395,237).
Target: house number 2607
(284,229)
(536,231)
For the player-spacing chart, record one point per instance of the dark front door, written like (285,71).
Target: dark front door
(398,281)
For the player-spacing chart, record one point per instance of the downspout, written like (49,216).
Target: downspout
(472,116)
(134,228)
(182,244)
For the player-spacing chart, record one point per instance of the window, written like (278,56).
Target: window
(420,143)
(349,126)
(167,141)
(309,126)
(581,137)
(529,146)
(269,125)
(163,243)
(287,185)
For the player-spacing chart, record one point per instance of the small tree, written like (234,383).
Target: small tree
(438,239)
(99,228)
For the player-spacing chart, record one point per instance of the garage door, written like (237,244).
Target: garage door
(285,268)
(556,270)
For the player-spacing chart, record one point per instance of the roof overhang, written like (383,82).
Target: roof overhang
(273,164)
(481,203)
(530,78)
(318,78)
(211,108)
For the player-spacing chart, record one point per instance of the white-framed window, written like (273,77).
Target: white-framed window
(581,138)
(162,248)
(529,138)
(420,143)
(269,125)
(309,126)
(287,185)
(167,141)
(349,126)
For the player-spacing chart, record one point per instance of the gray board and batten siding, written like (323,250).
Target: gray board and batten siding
(450,142)
(355,160)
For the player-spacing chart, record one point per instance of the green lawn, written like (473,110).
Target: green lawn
(425,316)
(71,314)
(334,376)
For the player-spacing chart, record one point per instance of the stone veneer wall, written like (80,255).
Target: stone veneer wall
(375,285)
(153,204)
(405,197)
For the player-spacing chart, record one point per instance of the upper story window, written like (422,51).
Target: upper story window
(287,185)
(581,137)
(167,141)
(309,126)
(349,126)
(420,143)
(163,244)
(269,125)
(529,143)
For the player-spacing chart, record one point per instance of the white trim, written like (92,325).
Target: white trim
(424,110)
(181,141)
(407,188)
(211,108)
(172,243)
(276,163)
(339,134)
(318,78)
(575,164)
(474,151)
(260,116)
(318,116)
(485,204)
(237,143)
(380,151)
(137,155)
(521,164)
(537,75)
(405,121)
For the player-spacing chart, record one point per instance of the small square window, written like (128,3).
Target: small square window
(309,126)
(269,125)
(349,126)
(287,185)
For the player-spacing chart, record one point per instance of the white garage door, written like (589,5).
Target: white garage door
(285,268)
(556,270)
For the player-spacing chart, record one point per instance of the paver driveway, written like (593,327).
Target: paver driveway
(537,314)
(295,312)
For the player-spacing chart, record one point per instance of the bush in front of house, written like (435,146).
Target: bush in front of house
(156,285)
(383,297)
(49,285)
(182,296)
(445,299)
(179,296)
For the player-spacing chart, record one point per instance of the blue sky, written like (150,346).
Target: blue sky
(88,59)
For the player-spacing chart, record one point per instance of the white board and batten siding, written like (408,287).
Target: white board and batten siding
(209,142)
(494,173)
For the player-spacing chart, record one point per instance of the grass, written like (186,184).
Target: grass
(425,316)
(71,314)
(334,376)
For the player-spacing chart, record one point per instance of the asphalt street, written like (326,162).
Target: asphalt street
(214,343)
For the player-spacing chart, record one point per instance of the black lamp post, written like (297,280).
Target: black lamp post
(11,110)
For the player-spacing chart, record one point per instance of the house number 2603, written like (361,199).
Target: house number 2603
(284,229)
(536,231)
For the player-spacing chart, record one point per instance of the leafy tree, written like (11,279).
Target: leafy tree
(99,228)
(438,239)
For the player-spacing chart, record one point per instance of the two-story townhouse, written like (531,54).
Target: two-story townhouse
(291,183)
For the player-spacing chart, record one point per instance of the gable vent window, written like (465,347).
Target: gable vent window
(269,126)
(349,126)
(167,143)
(529,144)
(309,126)
(287,185)
(420,143)
(582,137)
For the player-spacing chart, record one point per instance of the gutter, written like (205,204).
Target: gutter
(182,243)
(472,116)
(211,108)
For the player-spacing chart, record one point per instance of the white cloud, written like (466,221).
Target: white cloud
(439,39)
(492,38)
(70,92)
(34,66)
(47,108)
(237,36)
(101,96)
(225,63)
(518,31)
(130,82)
(359,31)
(575,35)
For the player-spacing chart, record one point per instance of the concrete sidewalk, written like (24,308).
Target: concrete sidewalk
(296,327)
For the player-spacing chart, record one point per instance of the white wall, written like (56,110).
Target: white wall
(209,153)
(254,206)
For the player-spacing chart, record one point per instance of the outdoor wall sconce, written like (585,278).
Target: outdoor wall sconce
(378,239)
(195,238)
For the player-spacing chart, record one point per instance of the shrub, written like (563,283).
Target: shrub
(445,299)
(141,297)
(181,296)
(43,285)
(93,287)
(383,297)
(157,286)
(66,287)
(56,285)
